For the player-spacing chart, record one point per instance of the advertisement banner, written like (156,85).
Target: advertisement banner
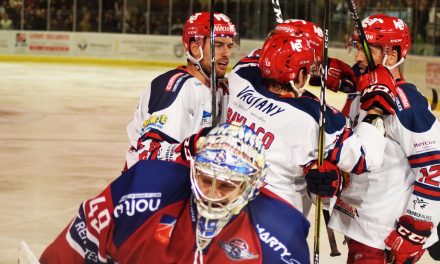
(50,43)
(7,41)
(163,48)
(94,45)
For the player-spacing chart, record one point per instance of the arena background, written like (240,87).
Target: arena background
(71,73)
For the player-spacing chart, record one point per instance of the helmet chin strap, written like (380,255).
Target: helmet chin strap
(197,63)
(394,66)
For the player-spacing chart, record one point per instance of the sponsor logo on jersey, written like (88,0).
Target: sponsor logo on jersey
(164,229)
(276,245)
(419,215)
(425,144)
(402,98)
(172,82)
(137,202)
(345,208)
(237,249)
(155,121)
(252,99)
(206,117)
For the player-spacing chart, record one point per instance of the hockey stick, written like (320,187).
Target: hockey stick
(213,82)
(277,10)
(434,99)
(362,38)
(334,252)
(321,139)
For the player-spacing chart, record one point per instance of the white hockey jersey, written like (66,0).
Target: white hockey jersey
(174,106)
(406,183)
(290,133)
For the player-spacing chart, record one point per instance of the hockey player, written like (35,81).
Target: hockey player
(178,103)
(340,77)
(268,96)
(394,208)
(164,212)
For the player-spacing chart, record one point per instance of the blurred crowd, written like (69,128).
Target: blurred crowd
(253,17)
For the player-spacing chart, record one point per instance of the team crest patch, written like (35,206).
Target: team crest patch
(237,249)
(165,229)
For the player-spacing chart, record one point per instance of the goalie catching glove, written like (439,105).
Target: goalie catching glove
(404,244)
(378,90)
(325,180)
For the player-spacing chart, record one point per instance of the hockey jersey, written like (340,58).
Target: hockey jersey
(174,106)
(148,215)
(408,182)
(289,129)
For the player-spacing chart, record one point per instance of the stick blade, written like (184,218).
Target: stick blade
(25,254)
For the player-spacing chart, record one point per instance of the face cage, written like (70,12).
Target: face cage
(205,204)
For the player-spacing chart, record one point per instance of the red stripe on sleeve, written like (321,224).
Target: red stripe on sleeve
(424,159)
(426,191)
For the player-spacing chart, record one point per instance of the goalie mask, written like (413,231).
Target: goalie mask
(387,32)
(227,172)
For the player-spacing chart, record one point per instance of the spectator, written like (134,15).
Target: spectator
(6,22)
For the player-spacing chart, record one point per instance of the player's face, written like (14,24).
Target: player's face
(361,59)
(223,51)
(218,190)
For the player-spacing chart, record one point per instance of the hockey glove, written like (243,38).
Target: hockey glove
(404,244)
(187,148)
(340,76)
(325,180)
(378,90)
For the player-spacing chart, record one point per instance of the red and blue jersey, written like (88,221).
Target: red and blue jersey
(147,215)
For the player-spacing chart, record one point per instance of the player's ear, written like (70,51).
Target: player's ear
(195,50)
(393,57)
(301,79)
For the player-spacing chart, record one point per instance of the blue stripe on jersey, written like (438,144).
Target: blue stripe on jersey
(427,191)
(282,240)
(424,159)
(165,88)
(416,116)
(307,103)
(335,154)
(78,233)
(145,188)
(360,166)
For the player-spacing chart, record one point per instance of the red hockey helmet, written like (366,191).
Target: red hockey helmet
(197,28)
(283,56)
(387,32)
(305,29)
